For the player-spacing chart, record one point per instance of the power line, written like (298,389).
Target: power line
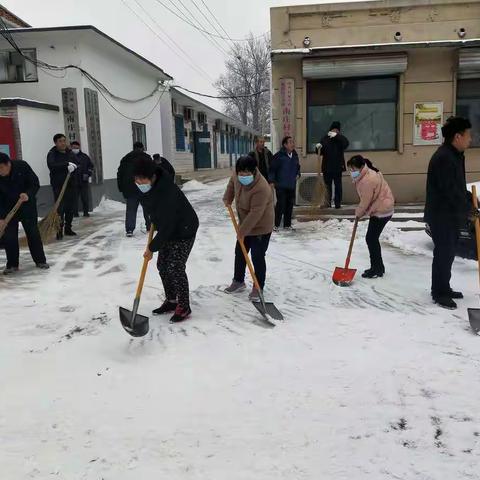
(210,22)
(223,97)
(191,19)
(186,20)
(188,60)
(216,19)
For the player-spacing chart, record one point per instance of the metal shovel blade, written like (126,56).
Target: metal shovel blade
(270,309)
(138,327)
(474,319)
(343,277)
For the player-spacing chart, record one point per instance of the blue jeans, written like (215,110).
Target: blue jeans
(131,214)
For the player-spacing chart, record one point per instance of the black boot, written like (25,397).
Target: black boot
(60,232)
(371,273)
(69,232)
(166,307)
(445,301)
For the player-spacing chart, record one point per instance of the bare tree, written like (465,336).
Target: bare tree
(247,81)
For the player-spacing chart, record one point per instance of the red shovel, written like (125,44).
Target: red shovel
(343,277)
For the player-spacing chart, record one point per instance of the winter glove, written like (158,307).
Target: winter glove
(71,167)
(332,134)
(318,147)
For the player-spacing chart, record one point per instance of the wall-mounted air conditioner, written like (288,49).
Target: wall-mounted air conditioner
(310,190)
(187,114)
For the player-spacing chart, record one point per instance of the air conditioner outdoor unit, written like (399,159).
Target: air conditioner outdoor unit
(309,190)
(174,107)
(218,125)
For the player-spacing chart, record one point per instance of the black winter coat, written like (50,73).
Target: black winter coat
(170,211)
(447,196)
(333,153)
(22,179)
(284,170)
(167,166)
(264,160)
(57,163)
(85,167)
(125,177)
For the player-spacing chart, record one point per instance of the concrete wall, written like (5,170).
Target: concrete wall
(430,76)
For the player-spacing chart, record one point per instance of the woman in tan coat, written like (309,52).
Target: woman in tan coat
(254,201)
(376,202)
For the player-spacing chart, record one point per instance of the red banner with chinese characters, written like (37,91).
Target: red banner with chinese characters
(287,105)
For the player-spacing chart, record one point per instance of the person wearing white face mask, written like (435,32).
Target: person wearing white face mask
(176,223)
(376,202)
(84,173)
(254,201)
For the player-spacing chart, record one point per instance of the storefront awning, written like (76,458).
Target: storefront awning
(354,66)
(469,63)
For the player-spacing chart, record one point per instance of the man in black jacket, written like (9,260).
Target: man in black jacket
(18,181)
(263,156)
(332,151)
(446,207)
(84,172)
(176,223)
(61,162)
(126,185)
(165,164)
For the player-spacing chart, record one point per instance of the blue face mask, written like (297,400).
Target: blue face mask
(245,179)
(144,187)
(355,174)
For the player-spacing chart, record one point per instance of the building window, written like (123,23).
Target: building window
(366,108)
(180,133)
(222,143)
(139,133)
(468,105)
(15,68)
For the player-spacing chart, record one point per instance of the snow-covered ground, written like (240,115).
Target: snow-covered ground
(366,382)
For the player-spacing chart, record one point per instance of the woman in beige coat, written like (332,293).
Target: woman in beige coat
(254,201)
(376,202)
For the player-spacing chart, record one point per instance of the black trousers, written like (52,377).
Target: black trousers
(284,206)
(375,229)
(171,264)
(131,214)
(83,197)
(445,235)
(258,245)
(334,179)
(10,241)
(67,206)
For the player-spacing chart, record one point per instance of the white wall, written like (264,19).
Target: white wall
(122,73)
(37,128)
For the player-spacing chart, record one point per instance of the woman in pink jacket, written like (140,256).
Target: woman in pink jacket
(376,202)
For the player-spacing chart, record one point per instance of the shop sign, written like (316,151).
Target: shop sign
(287,103)
(427,124)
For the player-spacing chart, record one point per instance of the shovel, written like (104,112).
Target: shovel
(133,323)
(343,277)
(474,313)
(266,309)
(10,215)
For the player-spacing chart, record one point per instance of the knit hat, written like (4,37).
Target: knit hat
(335,125)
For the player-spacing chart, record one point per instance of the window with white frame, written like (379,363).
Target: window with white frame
(16,67)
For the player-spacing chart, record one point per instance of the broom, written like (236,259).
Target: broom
(10,215)
(50,224)
(319,194)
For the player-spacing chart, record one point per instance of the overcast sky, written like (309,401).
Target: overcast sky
(238,18)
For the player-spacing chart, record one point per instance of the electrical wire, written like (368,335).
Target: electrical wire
(222,97)
(216,19)
(189,60)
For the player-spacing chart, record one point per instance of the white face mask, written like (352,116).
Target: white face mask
(76,151)
(144,187)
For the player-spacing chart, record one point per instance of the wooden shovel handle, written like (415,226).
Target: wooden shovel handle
(350,248)
(244,250)
(477,226)
(141,281)
(10,215)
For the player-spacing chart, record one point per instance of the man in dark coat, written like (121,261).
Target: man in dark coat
(18,181)
(284,173)
(84,173)
(126,185)
(332,151)
(446,206)
(165,164)
(263,156)
(176,223)
(61,162)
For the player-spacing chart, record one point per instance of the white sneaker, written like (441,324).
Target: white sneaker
(235,287)
(254,296)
